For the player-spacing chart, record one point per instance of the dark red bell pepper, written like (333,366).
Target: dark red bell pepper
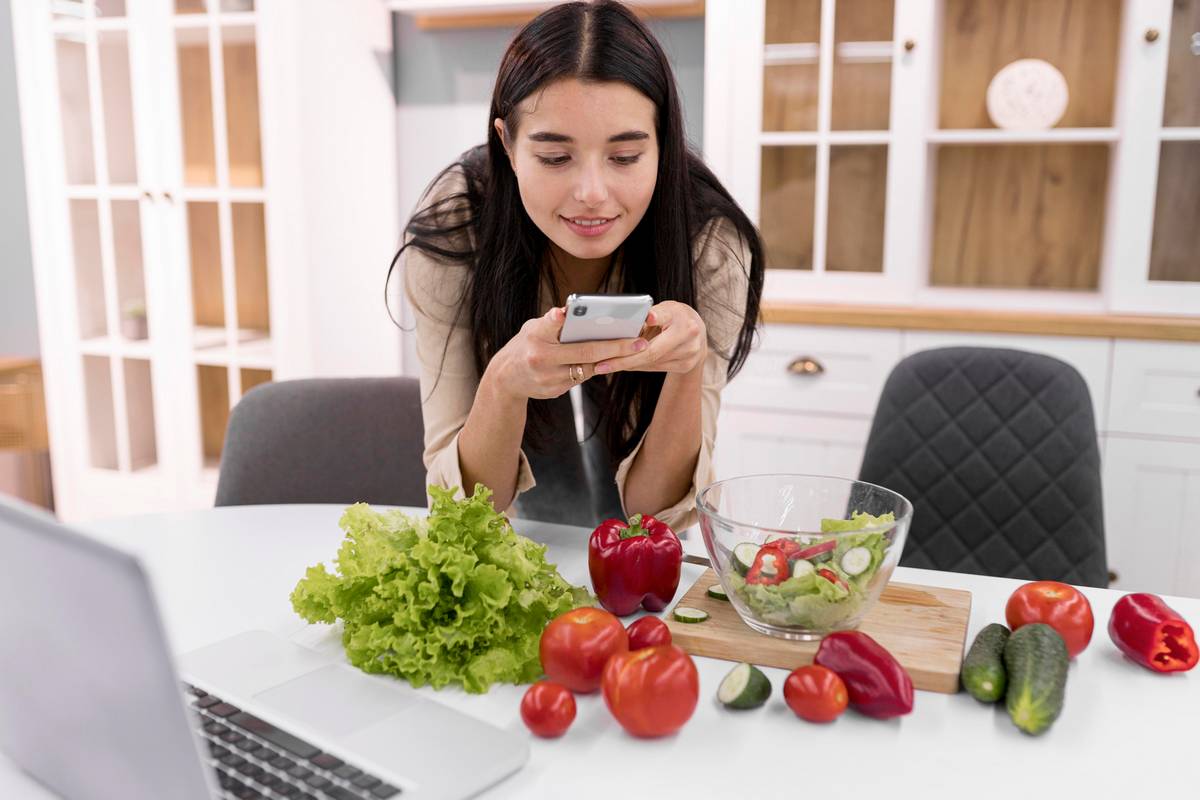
(878,686)
(770,566)
(634,564)
(1151,633)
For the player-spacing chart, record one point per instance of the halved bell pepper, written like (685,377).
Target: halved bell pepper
(634,564)
(876,682)
(1151,633)
(770,566)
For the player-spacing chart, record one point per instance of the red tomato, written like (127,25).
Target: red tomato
(548,709)
(575,646)
(1059,605)
(648,632)
(815,693)
(651,691)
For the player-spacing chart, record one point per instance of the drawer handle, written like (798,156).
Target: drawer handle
(806,365)
(1113,577)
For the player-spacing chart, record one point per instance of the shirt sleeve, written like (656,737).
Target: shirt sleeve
(723,270)
(449,379)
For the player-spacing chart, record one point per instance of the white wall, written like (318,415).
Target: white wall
(18,314)
(444,86)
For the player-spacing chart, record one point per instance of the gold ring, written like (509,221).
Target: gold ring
(577,374)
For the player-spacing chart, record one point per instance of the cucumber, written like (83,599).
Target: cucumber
(1036,660)
(775,537)
(715,591)
(983,673)
(802,568)
(743,556)
(856,560)
(688,614)
(744,687)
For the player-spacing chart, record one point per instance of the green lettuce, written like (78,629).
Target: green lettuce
(455,597)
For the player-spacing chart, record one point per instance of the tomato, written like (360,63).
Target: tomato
(815,693)
(648,632)
(575,646)
(1059,605)
(651,691)
(548,709)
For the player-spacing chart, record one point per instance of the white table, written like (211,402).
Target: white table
(1125,732)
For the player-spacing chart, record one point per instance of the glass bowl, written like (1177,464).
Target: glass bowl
(794,553)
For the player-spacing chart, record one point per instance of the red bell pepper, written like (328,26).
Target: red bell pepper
(832,577)
(815,551)
(770,566)
(634,564)
(878,686)
(1151,633)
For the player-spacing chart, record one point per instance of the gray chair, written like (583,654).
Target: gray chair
(325,440)
(997,451)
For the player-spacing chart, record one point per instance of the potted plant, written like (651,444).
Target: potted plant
(133,320)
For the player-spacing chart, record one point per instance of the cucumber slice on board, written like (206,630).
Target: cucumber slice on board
(744,687)
(715,591)
(744,554)
(689,615)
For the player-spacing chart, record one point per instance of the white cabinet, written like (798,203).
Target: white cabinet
(205,206)
(855,133)
(1152,504)
(751,442)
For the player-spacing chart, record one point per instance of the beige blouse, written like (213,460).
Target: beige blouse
(435,290)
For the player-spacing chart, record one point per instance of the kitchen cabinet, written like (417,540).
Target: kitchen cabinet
(204,203)
(855,134)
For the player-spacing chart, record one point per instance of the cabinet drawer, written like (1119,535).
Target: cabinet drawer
(752,442)
(1151,500)
(847,367)
(1089,356)
(1156,389)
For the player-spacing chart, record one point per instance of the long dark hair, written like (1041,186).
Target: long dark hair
(486,226)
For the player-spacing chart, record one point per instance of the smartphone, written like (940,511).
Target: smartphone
(596,317)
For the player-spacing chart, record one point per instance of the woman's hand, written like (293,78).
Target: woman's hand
(678,342)
(534,364)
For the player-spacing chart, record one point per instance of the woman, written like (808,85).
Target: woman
(585,185)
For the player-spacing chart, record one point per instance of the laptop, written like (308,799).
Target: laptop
(93,706)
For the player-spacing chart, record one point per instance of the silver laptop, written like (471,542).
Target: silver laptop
(92,706)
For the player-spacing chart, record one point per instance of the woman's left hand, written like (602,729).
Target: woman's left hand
(678,342)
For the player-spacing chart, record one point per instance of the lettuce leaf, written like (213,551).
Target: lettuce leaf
(455,597)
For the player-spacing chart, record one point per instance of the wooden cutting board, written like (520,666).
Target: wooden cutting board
(924,627)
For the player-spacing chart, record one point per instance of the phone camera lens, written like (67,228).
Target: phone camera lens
(580,310)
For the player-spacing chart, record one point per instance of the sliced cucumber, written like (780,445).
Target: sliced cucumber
(802,568)
(856,560)
(689,615)
(775,537)
(717,592)
(743,556)
(744,687)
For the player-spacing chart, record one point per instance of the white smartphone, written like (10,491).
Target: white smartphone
(597,317)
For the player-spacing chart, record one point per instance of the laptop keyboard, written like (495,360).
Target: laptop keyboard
(254,759)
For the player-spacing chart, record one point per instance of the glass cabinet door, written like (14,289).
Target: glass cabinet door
(223,201)
(826,89)
(96,101)
(1175,251)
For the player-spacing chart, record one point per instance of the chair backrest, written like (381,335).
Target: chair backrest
(325,440)
(997,451)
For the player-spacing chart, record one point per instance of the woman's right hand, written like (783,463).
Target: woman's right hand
(534,364)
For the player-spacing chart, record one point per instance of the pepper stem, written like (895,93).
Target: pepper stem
(635,528)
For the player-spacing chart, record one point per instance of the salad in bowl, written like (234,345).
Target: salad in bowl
(802,555)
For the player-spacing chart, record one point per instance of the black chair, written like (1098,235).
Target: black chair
(324,440)
(997,451)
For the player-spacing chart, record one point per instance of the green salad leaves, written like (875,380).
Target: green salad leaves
(455,597)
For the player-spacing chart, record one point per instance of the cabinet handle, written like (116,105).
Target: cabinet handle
(806,365)
(1151,34)
(168,197)
(910,45)
(1112,577)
